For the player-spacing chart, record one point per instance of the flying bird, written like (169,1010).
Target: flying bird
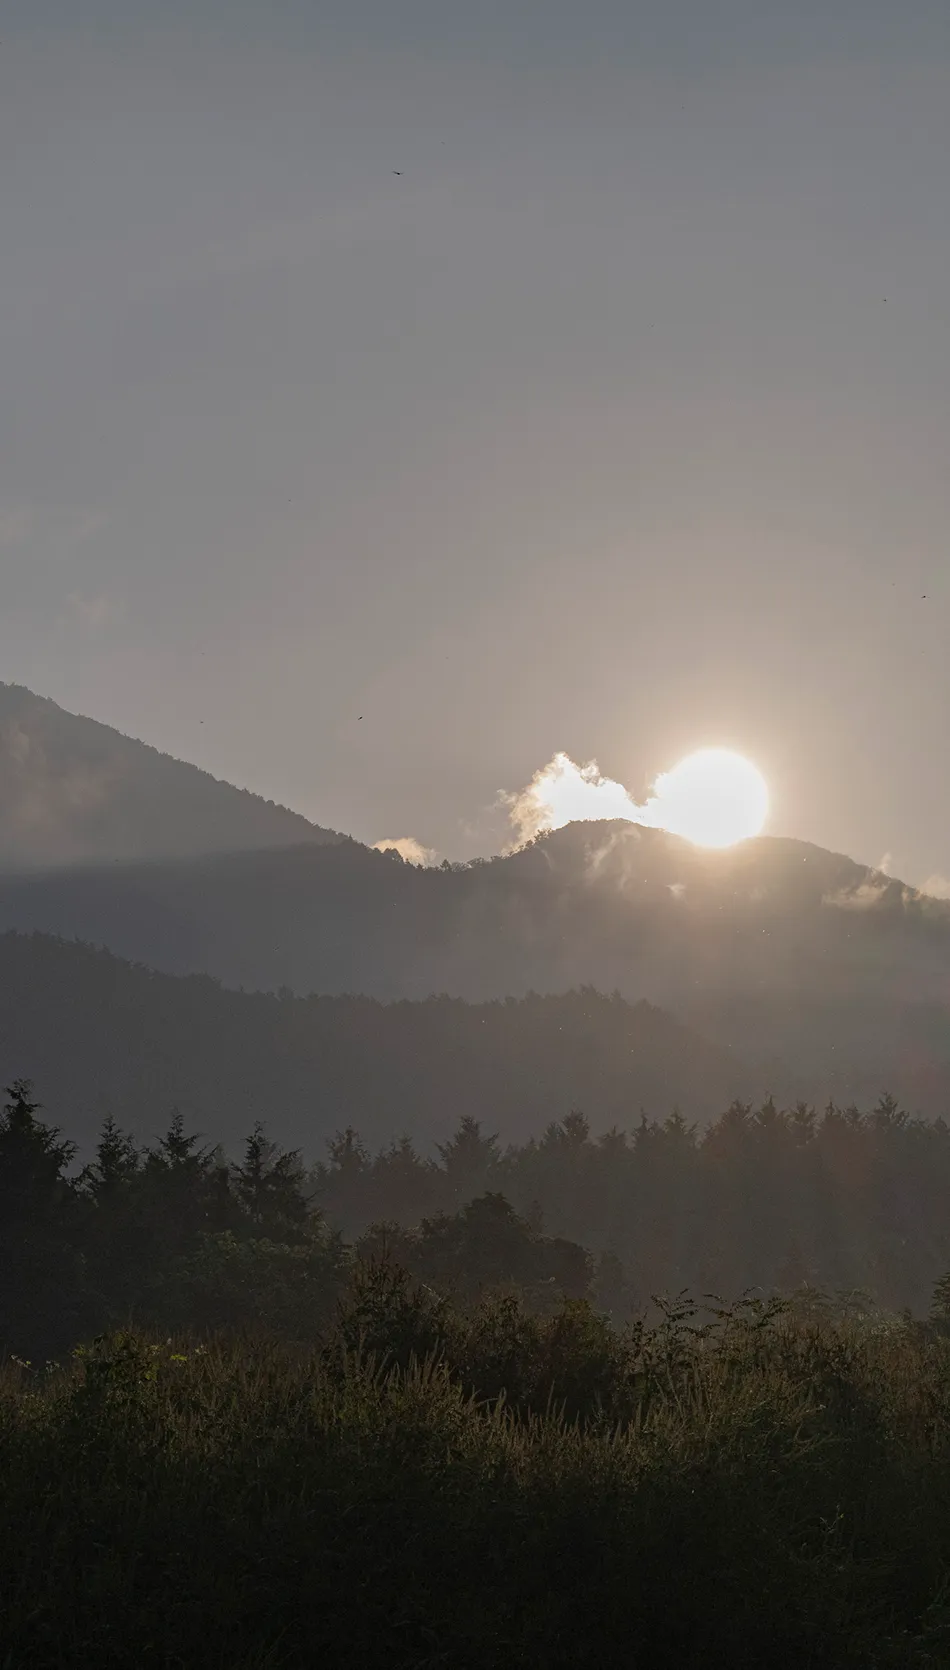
(398,172)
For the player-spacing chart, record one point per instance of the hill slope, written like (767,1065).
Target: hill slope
(831,977)
(100,1035)
(73,791)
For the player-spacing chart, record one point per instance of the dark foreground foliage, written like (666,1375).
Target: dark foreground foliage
(430,1446)
(483,1489)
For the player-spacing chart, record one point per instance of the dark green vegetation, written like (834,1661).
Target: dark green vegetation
(462,1439)
(428,1486)
(177,1235)
(73,791)
(762,1199)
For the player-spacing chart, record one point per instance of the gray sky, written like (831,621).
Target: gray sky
(617,422)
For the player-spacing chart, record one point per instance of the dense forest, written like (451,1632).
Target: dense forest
(180,1235)
(443,1444)
(766,1199)
(103,1036)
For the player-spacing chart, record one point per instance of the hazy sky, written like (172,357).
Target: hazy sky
(617,422)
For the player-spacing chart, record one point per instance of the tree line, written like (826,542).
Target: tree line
(176,1234)
(763,1198)
(102,1035)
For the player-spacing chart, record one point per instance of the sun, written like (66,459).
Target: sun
(714,798)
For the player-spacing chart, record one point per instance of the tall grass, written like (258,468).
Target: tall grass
(428,1489)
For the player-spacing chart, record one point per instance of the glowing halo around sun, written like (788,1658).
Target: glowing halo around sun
(713,798)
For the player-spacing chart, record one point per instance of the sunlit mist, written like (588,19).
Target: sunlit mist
(409,849)
(713,798)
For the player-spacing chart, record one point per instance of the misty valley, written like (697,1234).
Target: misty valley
(409,1263)
(474,871)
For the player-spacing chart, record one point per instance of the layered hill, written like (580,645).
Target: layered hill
(73,791)
(827,977)
(99,1035)
(824,977)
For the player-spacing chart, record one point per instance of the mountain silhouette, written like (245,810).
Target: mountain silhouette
(73,791)
(824,977)
(99,1035)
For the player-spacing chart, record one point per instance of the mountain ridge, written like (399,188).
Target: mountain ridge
(76,791)
(824,976)
(100,1035)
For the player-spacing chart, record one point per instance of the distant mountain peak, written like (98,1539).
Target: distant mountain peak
(75,791)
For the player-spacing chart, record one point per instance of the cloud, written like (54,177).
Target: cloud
(713,790)
(14,742)
(58,527)
(409,849)
(865,896)
(15,525)
(277,241)
(937,887)
(562,792)
(96,614)
(85,524)
(43,799)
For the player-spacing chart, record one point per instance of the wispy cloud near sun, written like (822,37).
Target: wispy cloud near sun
(410,849)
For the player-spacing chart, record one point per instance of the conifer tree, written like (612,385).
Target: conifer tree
(269,1188)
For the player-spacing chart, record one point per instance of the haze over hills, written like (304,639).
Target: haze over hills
(824,977)
(73,791)
(99,1035)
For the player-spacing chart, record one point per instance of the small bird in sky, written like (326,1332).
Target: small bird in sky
(398,172)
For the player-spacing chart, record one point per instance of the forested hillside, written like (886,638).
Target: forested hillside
(100,1035)
(824,977)
(73,791)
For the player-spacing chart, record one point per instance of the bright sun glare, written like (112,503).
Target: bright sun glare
(713,798)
